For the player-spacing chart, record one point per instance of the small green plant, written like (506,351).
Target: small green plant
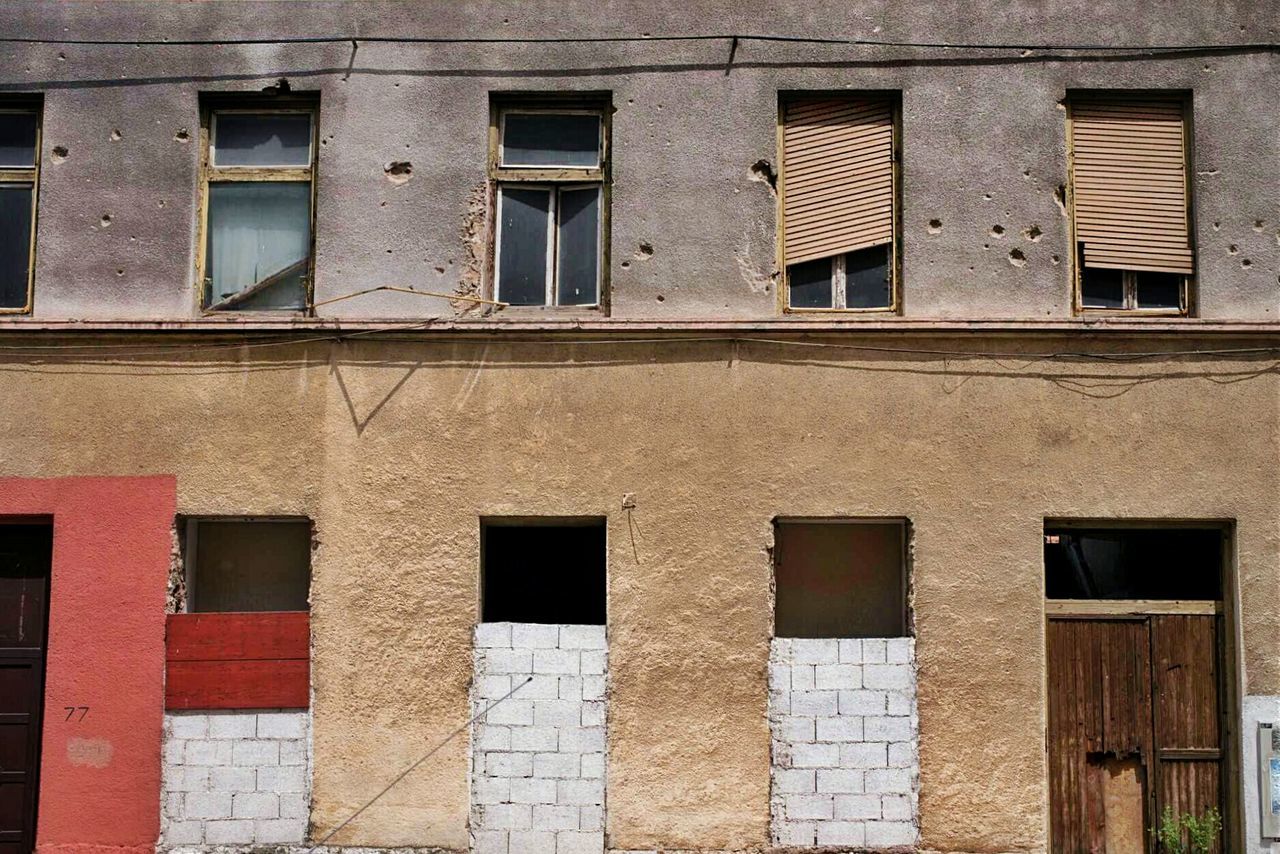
(1186,833)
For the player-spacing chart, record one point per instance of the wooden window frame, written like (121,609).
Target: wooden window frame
(554,179)
(1187,290)
(248,104)
(894,99)
(21,176)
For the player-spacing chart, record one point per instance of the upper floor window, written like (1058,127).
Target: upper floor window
(257,190)
(19,178)
(549,161)
(838,190)
(1131,202)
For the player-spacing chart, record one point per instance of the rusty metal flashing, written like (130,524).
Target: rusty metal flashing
(606,328)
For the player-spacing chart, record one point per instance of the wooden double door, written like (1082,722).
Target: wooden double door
(1135,726)
(24,595)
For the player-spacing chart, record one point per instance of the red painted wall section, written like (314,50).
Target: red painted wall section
(100,776)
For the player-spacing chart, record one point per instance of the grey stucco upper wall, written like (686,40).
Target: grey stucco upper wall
(983,143)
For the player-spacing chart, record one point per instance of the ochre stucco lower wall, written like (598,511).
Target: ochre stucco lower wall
(395,448)
(100,768)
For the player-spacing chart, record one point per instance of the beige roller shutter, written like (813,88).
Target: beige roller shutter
(837,176)
(1130,183)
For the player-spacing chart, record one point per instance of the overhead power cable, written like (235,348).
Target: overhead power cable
(699,37)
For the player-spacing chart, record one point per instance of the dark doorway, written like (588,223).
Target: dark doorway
(25,554)
(1135,683)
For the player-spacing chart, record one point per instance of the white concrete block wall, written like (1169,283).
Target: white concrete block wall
(538,757)
(235,778)
(845,760)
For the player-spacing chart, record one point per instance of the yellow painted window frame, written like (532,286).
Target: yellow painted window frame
(23,176)
(584,103)
(1187,292)
(894,99)
(211,174)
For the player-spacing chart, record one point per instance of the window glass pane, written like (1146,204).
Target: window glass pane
(262,139)
(1159,290)
(810,284)
(15,244)
(551,139)
(1132,563)
(251,566)
(17,139)
(866,278)
(579,247)
(522,249)
(258,231)
(1101,288)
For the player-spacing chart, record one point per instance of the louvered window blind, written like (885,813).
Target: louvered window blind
(837,176)
(1130,183)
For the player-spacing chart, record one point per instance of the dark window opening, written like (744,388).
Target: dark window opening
(1158,290)
(543,572)
(840,579)
(1133,563)
(248,564)
(1100,287)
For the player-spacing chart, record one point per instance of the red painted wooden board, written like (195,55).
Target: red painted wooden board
(255,660)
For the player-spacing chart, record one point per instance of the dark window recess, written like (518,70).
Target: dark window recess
(840,579)
(867,278)
(543,573)
(1158,290)
(811,284)
(15,243)
(1133,563)
(248,565)
(1101,288)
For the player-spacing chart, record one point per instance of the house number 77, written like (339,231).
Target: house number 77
(71,711)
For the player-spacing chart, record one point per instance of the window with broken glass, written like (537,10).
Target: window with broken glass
(259,169)
(19,178)
(549,165)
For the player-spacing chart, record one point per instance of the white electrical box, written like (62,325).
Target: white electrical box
(1269,779)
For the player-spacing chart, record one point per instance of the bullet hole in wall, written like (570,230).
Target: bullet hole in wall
(1033,233)
(116,136)
(997,230)
(105,221)
(398,171)
(1017,258)
(120,271)
(1246,263)
(661,298)
(762,171)
(1259,224)
(1060,198)
(1055,260)
(986,197)
(1233,249)
(1217,226)
(59,153)
(183,135)
(935,226)
(626,265)
(645,252)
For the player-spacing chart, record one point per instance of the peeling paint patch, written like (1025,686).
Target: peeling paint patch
(93,752)
(762,172)
(470,277)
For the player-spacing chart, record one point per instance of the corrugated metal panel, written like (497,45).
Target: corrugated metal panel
(837,161)
(1130,183)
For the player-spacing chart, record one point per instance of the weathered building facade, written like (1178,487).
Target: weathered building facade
(868,439)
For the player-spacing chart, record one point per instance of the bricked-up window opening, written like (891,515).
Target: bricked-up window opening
(257,172)
(840,579)
(247,564)
(1133,563)
(549,162)
(19,179)
(543,571)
